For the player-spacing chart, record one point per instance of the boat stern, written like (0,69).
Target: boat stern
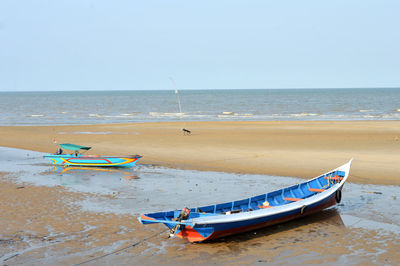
(184,229)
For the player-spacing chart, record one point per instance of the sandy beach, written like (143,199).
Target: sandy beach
(47,231)
(45,222)
(261,133)
(299,149)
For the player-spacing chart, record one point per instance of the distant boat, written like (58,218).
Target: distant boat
(78,159)
(214,221)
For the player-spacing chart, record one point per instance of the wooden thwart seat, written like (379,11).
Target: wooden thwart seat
(316,189)
(292,199)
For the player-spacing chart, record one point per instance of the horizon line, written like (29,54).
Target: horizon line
(193,89)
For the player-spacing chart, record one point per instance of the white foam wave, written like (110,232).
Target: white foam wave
(35,115)
(365,111)
(157,114)
(116,116)
(391,116)
(130,114)
(304,114)
(243,115)
(233,115)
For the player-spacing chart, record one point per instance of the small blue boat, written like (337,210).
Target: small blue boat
(77,159)
(215,221)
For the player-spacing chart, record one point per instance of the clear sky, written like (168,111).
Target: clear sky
(138,45)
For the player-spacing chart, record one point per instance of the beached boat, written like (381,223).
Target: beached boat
(214,221)
(78,159)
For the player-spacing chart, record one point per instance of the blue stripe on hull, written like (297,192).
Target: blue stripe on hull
(224,229)
(93,161)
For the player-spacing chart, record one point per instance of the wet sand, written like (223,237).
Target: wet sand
(297,148)
(56,216)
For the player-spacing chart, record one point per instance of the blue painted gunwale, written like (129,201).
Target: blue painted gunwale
(213,221)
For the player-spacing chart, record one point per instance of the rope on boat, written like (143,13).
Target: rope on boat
(121,249)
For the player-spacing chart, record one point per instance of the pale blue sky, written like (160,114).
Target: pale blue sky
(121,45)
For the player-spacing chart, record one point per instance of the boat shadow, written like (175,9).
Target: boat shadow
(127,173)
(329,216)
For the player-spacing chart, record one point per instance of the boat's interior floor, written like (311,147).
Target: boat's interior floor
(269,200)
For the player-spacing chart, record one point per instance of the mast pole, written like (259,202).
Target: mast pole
(177,95)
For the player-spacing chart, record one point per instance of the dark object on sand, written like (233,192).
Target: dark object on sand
(214,221)
(186,131)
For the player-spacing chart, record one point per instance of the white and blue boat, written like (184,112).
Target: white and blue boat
(78,159)
(219,220)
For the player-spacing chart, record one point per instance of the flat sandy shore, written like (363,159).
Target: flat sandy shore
(296,148)
(47,225)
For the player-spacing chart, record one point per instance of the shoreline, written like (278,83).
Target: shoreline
(302,149)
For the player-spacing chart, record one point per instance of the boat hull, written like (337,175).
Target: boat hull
(224,219)
(212,231)
(80,160)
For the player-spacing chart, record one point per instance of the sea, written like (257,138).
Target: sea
(95,107)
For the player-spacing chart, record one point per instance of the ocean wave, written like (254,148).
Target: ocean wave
(130,114)
(232,114)
(35,115)
(116,116)
(157,114)
(365,111)
(391,116)
(371,116)
(304,114)
(244,115)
